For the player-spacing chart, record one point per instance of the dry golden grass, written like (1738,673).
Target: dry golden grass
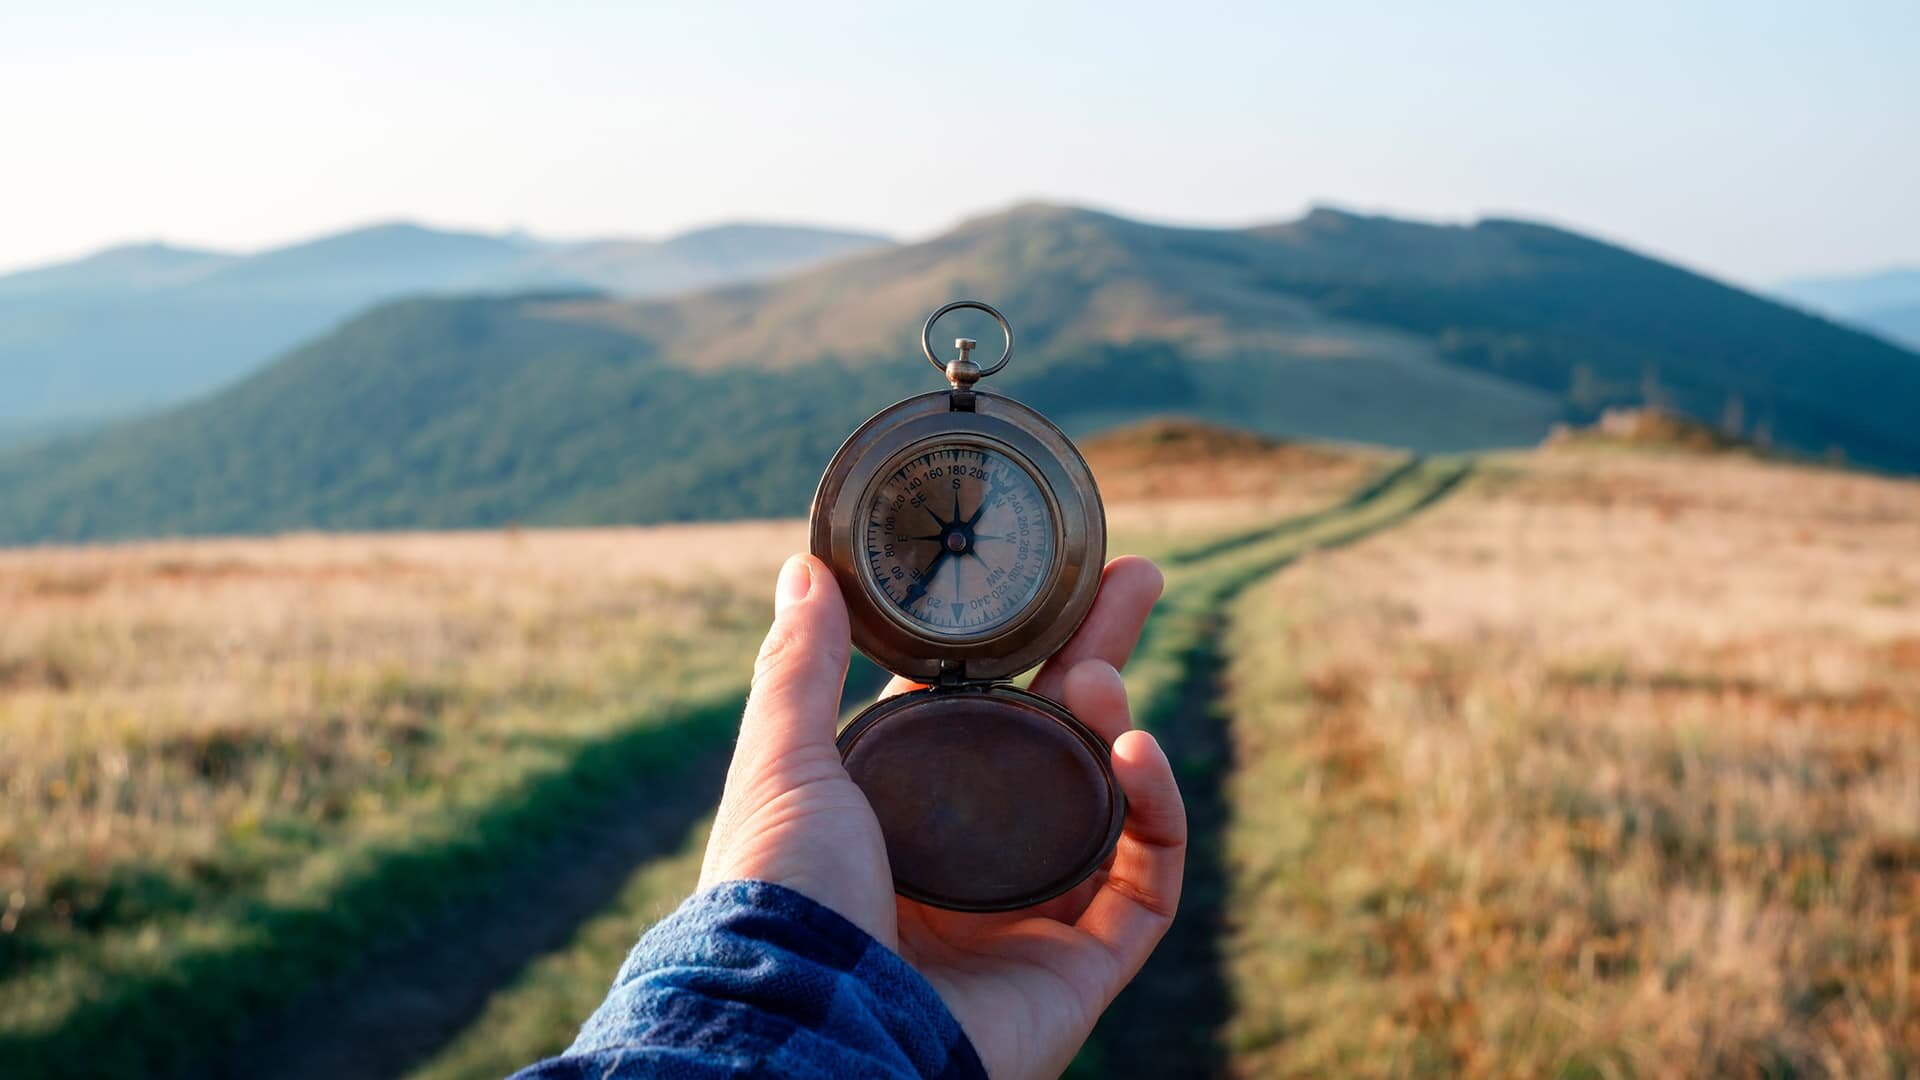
(1609,765)
(182,720)
(187,725)
(182,717)
(1169,482)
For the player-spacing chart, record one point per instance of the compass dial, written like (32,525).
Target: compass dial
(959,539)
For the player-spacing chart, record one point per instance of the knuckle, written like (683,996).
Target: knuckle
(782,642)
(789,649)
(1162,908)
(779,658)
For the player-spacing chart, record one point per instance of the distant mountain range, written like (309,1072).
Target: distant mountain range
(136,327)
(1886,302)
(573,408)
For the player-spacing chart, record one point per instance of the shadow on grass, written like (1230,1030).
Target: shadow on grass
(1164,1024)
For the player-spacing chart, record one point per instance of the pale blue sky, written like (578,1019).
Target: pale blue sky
(1752,140)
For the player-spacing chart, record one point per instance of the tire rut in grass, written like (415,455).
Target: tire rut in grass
(1164,1023)
(1168,1022)
(402,1001)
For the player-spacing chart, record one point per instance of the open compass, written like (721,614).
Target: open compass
(967,536)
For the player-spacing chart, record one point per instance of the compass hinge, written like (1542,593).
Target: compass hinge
(952,673)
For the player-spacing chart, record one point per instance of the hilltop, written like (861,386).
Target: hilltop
(1180,459)
(575,408)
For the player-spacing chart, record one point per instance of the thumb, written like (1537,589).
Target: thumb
(802,665)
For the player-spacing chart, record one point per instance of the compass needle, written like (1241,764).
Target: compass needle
(985,501)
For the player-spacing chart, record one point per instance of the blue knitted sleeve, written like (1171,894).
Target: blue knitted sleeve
(749,978)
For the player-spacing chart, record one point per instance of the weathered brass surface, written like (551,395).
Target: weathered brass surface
(998,424)
(991,799)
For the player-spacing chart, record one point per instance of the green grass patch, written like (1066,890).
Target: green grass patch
(538,1015)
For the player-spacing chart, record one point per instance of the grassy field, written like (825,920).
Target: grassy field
(1608,766)
(1225,491)
(232,767)
(1580,761)
(208,740)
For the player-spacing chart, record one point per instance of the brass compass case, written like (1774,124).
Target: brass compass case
(967,536)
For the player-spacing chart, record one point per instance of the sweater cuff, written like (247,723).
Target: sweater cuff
(753,977)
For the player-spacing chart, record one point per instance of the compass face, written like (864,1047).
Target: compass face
(959,539)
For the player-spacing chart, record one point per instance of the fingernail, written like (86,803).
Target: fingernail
(796,581)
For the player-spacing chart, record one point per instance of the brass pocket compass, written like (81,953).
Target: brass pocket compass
(967,535)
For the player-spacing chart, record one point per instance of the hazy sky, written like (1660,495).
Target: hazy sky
(1753,140)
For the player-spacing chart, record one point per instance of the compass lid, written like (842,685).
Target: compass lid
(990,798)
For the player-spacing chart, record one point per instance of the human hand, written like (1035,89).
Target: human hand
(1027,985)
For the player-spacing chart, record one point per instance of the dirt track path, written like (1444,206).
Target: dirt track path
(1163,1024)
(1167,1023)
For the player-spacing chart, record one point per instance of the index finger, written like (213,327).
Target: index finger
(1128,588)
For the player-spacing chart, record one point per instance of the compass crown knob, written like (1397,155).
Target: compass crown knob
(963,372)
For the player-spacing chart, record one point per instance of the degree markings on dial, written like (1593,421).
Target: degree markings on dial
(995,506)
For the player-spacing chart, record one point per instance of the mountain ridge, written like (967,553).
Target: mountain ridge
(1886,286)
(140,326)
(572,409)
(1884,301)
(695,235)
(122,267)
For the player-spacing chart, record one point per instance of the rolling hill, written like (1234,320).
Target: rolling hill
(147,325)
(572,408)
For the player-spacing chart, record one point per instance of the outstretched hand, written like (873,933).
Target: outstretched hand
(1026,985)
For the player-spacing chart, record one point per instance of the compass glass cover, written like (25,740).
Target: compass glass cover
(959,539)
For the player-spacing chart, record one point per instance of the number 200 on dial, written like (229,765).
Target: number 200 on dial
(959,539)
